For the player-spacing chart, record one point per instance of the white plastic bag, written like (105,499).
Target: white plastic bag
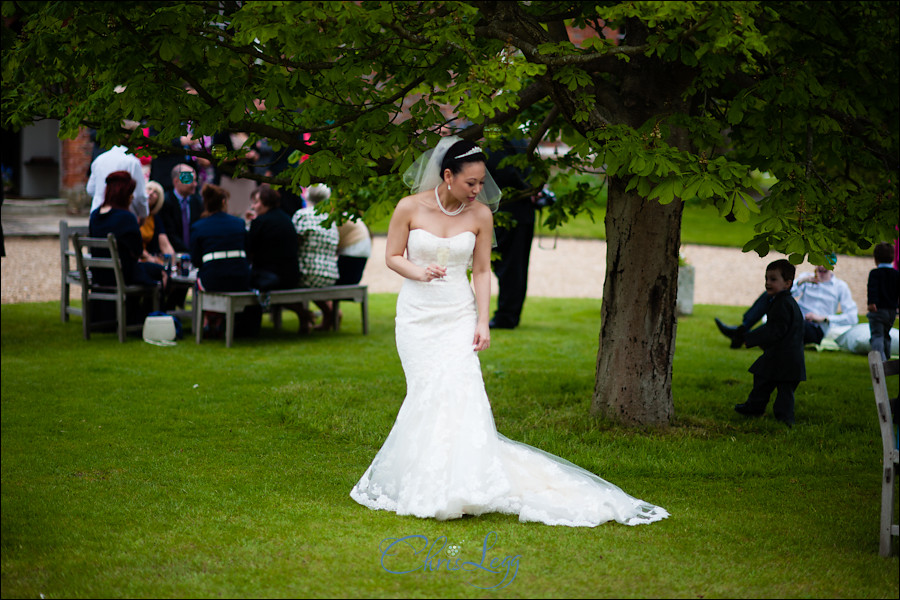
(160,331)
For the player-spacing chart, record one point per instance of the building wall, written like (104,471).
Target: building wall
(39,160)
(76,163)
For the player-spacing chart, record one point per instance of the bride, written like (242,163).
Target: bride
(444,457)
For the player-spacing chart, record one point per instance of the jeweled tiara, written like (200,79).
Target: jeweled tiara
(474,150)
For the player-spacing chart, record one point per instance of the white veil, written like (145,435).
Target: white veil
(425,173)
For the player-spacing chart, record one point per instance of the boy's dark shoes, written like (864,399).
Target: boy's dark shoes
(725,329)
(746,411)
(738,340)
(735,334)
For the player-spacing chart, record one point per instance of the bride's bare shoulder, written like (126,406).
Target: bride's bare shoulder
(412,202)
(482,213)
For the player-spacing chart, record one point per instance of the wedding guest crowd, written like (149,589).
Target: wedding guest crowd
(174,207)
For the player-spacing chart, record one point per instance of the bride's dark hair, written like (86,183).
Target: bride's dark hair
(460,153)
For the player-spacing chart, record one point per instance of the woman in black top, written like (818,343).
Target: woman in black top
(114,217)
(218,245)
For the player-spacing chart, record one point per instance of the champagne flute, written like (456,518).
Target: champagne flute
(443,256)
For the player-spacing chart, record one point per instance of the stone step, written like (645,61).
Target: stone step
(34,206)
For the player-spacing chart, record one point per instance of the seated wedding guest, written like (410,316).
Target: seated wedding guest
(218,250)
(182,208)
(114,217)
(354,250)
(824,301)
(317,249)
(153,231)
(271,243)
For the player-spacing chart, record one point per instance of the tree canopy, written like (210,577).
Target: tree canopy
(804,91)
(671,100)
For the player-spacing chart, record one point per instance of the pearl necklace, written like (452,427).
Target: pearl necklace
(441,206)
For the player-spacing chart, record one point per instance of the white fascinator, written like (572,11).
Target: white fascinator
(425,173)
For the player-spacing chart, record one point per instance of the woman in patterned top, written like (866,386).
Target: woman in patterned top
(317,252)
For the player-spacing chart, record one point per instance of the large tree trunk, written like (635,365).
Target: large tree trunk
(638,320)
(633,382)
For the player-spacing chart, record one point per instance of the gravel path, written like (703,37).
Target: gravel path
(573,269)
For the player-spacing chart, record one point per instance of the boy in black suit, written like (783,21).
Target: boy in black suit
(882,299)
(782,365)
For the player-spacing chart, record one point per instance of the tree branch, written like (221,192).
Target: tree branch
(534,93)
(593,59)
(542,130)
(256,54)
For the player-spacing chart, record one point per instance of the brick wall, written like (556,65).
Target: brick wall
(76,160)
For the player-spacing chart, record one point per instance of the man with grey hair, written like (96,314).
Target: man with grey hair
(183,207)
(317,248)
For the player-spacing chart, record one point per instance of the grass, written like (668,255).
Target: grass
(195,471)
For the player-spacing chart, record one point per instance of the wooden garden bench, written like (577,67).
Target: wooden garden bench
(230,303)
(880,370)
(88,261)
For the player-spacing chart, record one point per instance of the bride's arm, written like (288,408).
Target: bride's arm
(395,249)
(481,278)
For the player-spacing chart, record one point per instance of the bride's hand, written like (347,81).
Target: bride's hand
(482,338)
(433,272)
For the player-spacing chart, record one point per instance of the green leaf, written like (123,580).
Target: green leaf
(664,191)
(690,190)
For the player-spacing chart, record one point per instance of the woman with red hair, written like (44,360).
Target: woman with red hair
(114,217)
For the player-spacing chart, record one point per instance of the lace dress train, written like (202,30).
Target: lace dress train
(444,457)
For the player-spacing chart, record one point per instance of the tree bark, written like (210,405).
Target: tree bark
(638,321)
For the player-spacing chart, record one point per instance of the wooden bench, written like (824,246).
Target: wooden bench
(69,273)
(88,266)
(880,370)
(230,303)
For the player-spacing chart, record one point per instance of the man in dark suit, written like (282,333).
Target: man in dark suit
(182,207)
(782,365)
(164,161)
(513,242)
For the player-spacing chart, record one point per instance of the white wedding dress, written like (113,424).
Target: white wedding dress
(444,457)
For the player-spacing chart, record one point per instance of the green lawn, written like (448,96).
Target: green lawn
(131,470)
